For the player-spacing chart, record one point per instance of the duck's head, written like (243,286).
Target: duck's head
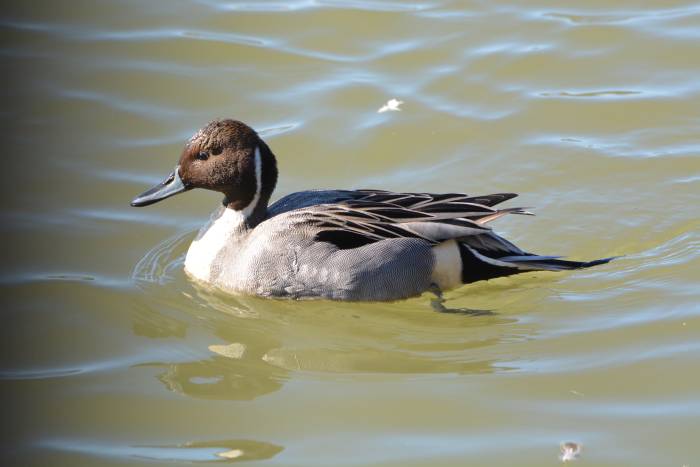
(225,156)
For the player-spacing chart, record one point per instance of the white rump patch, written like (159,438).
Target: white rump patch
(447,270)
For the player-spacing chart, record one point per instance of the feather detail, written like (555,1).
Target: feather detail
(374,215)
(502,212)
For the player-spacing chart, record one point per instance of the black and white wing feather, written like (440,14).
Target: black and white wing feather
(374,215)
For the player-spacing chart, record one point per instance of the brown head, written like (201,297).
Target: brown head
(225,156)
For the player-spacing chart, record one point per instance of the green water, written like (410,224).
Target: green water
(589,109)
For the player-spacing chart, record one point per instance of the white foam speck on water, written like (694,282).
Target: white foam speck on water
(392,105)
(570,451)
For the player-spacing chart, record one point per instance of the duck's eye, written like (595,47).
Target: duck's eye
(203,155)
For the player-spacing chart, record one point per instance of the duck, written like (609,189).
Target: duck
(353,245)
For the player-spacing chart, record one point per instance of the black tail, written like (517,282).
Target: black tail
(552,263)
(478,266)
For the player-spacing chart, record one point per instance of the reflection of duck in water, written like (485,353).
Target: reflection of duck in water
(337,244)
(252,355)
(221,378)
(233,366)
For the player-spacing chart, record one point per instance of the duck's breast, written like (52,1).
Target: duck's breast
(208,254)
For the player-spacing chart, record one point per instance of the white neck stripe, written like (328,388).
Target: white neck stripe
(248,210)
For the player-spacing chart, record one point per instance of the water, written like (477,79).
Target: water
(589,110)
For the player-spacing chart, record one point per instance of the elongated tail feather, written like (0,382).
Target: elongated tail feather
(552,263)
(477,266)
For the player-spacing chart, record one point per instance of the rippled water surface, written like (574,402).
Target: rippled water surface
(589,109)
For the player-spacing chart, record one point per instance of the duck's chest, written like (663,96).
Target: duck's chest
(217,245)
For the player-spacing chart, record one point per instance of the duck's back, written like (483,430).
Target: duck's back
(308,198)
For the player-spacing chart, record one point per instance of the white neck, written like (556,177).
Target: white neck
(248,210)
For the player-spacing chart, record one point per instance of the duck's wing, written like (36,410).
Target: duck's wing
(426,199)
(447,205)
(308,198)
(384,215)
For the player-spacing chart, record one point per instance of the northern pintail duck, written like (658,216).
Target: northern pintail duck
(335,244)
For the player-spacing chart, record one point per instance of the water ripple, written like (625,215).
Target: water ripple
(603,359)
(374,51)
(199,451)
(300,5)
(161,262)
(640,16)
(135,216)
(114,362)
(626,409)
(17,278)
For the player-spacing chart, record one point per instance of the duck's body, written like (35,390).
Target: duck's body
(281,257)
(335,244)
